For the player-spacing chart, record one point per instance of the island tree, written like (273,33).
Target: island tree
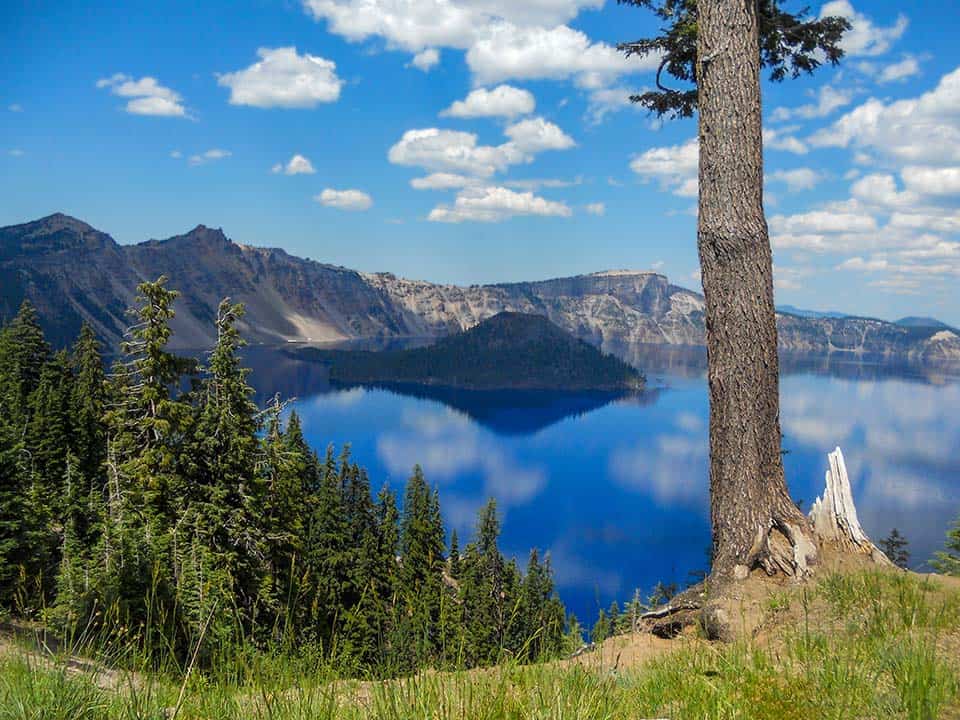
(715,51)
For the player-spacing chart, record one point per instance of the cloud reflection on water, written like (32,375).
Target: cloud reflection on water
(447,445)
(900,439)
(617,491)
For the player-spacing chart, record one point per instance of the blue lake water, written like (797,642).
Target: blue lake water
(616,489)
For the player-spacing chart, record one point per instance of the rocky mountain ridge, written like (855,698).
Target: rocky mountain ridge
(74,273)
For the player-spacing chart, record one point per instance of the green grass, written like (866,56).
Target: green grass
(867,645)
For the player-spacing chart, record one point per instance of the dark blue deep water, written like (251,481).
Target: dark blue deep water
(616,488)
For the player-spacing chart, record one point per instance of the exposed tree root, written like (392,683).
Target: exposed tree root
(831,535)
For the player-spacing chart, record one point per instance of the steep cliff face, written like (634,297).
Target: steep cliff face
(608,309)
(866,337)
(74,273)
(71,272)
(287,298)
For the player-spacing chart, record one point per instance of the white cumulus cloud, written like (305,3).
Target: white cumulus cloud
(208,156)
(932,180)
(865,38)
(781,139)
(297,165)
(924,129)
(502,101)
(503,39)
(146,96)
(895,72)
(426,60)
(494,204)
(555,53)
(674,167)
(880,190)
(452,151)
(828,99)
(282,78)
(537,135)
(607,100)
(797,179)
(441,181)
(345,199)
(455,152)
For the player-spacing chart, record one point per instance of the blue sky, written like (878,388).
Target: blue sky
(475,141)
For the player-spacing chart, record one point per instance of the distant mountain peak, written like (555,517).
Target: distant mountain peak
(62,221)
(76,274)
(922,322)
(201,235)
(204,232)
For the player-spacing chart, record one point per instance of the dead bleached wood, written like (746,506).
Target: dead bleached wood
(665,610)
(834,516)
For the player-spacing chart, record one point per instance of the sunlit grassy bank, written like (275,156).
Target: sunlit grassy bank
(867,645)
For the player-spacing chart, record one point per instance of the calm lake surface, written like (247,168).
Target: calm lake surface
(615,488)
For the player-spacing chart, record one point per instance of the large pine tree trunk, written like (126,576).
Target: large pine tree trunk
(755,523)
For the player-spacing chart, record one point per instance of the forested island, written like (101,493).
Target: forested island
(507,351)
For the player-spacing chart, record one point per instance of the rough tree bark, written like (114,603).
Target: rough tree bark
(755,523)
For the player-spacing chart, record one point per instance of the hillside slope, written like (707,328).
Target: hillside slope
(73,272)
(509,350)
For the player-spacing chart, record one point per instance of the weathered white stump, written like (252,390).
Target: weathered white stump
(834,516)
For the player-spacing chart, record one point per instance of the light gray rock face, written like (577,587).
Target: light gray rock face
(610,310)
(74,273)
(621,310)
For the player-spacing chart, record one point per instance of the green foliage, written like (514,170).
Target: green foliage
(947,561)
(894,547)
(23,353)
(896,664)
(192,527)
(30,401)
(791,45)
(509,350)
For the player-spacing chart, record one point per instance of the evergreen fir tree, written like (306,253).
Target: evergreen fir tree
(662,593)
(327,553)
(17,536)
(158,514)
(541,614)
(220,549)
(364,613)
(421,571)
(488,592)
(947,561)
(601,629)
(573,637)
(49,432)
(454,556)
(386,575)
(894,546)
(26,542)
(613,613)
(147,425)
(87,405)
(23,354)
(89,440)
(47,441)
(72,578)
